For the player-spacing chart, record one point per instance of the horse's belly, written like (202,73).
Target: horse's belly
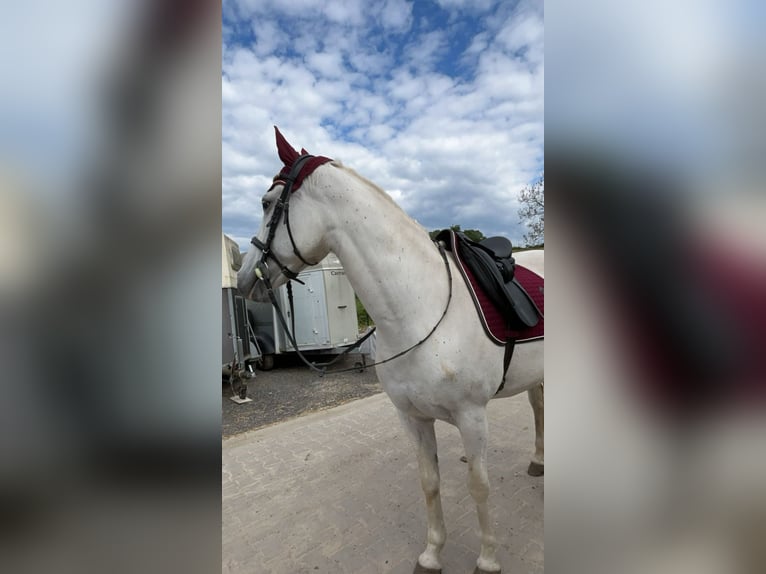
(526,369)
(440,377)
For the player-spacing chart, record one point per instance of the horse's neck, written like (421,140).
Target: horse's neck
(394,267)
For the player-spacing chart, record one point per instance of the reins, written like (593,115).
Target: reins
(321,368)
(282,207)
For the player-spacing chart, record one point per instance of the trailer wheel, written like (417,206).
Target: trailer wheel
(267,362)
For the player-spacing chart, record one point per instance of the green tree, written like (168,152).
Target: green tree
(473,234)
(363,318)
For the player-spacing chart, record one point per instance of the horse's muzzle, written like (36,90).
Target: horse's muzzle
(250,285)
(258,292)
(245,282)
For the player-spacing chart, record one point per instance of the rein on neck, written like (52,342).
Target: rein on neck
(261,271)
(321,368)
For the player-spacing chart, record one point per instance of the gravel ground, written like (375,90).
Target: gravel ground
(291,390)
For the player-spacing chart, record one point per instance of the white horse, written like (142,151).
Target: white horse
(400,277)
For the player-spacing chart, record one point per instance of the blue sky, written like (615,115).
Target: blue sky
(438,102)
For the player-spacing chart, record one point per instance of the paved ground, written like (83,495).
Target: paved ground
(337,491)
(291,390)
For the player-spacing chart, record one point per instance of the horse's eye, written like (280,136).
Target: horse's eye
(266,205)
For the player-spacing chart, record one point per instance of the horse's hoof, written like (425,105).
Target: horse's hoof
(422,570)
(536,469)
(480,571)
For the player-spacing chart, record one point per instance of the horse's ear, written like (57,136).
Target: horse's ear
(303,151)
(286,152)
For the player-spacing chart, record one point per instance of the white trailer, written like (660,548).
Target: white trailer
(325,314)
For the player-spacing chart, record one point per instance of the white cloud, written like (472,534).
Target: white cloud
(268,37)
(327,64)
(476,5)
(378,95)
(396,15)
(478,44)
(424,51)
(345,12)
(524,32)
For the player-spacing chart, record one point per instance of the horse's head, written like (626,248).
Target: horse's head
(291,236)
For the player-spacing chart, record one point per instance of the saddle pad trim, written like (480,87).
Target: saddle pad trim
(481,301)
(468,278)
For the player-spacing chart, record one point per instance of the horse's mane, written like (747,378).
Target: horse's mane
(373,185)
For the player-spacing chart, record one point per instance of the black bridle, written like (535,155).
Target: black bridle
(281,207)
(262,272)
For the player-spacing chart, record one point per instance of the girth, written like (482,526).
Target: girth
(492,266)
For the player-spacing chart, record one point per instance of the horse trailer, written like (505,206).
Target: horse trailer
(239,349)
(324,306)
(325,313)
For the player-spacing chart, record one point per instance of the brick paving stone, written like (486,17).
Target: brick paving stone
(338,491)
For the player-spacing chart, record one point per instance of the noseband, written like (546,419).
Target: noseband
(281,207)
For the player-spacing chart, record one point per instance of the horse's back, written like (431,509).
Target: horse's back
(534,260)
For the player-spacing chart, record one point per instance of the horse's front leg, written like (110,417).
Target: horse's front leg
(474,431)
(536,399)
(424,439)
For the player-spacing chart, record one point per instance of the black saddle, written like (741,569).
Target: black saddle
(492,264)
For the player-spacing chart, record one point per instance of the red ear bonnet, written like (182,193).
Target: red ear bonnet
(288,155)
